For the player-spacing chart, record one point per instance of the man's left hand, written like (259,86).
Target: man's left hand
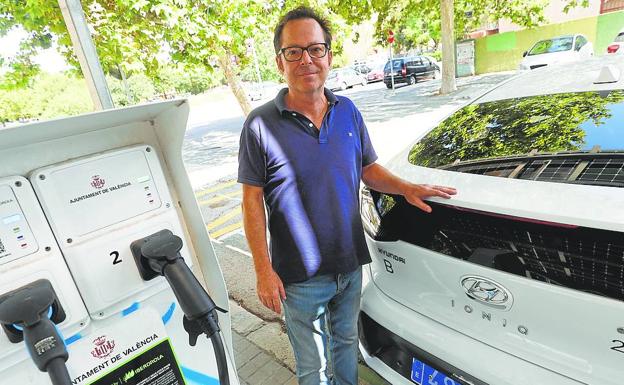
(415,193)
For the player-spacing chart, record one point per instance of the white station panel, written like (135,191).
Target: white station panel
(97,206)
(16,237)
(94,193)
(28,252)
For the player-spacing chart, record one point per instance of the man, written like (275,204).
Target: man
(304,154)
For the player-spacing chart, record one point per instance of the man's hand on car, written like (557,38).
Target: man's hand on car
(415,193)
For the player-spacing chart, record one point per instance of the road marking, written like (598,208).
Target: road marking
(238,250)
(224,218)
(233,233)
(227,229)
(218,187)
(220,197)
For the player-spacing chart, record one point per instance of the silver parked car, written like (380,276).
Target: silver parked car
(558,50)
(518,279)
(343,78)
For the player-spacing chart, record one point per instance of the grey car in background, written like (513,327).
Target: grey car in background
(343,78)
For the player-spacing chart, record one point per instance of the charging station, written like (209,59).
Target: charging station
(103,247)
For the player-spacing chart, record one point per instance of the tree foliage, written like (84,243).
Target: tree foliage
(47,96)
(416,23)
(140,36)
(548,123)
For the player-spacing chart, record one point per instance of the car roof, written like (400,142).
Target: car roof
(559,37)
(405,57)
(571,77)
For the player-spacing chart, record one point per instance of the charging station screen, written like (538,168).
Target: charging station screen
(16,238)
(91,194)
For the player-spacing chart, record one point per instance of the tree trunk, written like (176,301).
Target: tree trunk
(230,75)
(448,47)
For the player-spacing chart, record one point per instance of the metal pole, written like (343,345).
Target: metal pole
(391,67)
(86,53)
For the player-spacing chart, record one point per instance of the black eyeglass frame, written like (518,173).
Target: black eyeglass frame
(327,49)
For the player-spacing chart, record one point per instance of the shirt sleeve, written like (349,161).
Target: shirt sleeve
(251,158)
(369,156)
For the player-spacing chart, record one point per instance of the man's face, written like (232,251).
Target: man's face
(307,74)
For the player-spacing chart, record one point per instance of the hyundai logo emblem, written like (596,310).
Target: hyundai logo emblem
(487,292)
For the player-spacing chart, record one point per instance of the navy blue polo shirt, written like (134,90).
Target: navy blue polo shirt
(310,179)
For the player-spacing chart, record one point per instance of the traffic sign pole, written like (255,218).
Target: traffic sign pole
(391,41)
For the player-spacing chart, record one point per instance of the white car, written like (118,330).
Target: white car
(518,279)
(343,78)
(558,50)
(617,47)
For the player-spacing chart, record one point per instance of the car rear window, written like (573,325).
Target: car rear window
(395,63)
(620,37)
(567,137)
(552,45)
(332,75)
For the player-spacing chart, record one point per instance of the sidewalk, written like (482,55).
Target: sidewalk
(257,346)
(263,354)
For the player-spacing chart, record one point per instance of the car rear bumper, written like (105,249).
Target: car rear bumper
(397,79)
(445,348)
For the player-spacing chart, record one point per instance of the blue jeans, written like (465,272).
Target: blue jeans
(321,319)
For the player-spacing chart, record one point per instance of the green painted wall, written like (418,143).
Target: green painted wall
(503,52)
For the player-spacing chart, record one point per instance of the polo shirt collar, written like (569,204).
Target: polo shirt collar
(280,101)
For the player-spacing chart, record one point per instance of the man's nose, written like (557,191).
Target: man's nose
(305,58)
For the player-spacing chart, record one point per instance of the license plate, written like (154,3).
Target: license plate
(423,374)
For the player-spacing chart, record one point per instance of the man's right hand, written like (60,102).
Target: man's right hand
(270,290)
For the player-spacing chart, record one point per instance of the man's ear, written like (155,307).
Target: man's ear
(280,65)
(329,58)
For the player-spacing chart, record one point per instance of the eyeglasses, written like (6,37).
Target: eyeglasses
(316,50)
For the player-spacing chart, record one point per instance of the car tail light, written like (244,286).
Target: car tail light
(613,48)
(403,70)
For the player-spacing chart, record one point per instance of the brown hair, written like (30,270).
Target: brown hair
(301,12)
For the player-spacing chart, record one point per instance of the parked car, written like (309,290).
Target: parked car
(436,64)
(408,70)
(343,78)
(617,47)
(558,50)
(376,74)
(361,68)
(516,280)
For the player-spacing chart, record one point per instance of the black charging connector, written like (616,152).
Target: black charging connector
(159,254)
(29,313)
(56,313)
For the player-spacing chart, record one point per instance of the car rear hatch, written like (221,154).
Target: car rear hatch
(395,70)
(529,256)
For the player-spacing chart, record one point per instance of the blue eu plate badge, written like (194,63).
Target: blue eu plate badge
(423,374)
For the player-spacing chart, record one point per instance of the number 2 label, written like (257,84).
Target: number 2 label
(619,347)
(116,258)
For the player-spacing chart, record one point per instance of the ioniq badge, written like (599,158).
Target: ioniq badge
(487,292)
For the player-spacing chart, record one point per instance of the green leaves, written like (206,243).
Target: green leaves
(547,123)
(416,23)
